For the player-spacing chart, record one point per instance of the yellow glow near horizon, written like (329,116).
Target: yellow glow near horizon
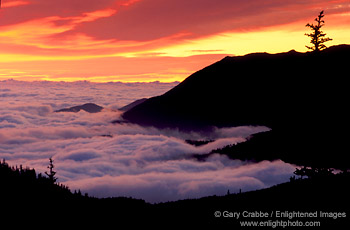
(86,50)
(273,40)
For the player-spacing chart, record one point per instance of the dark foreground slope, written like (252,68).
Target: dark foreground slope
(28,200)
(31,200)
(301,96)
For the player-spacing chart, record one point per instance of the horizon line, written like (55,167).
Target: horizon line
(86,81)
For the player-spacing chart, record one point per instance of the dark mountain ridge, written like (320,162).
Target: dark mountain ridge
(246,90)
(88,107)
(301,96)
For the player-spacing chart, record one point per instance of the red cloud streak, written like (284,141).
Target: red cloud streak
(51,30)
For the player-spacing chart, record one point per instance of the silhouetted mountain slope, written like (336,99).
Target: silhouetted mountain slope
(257,147)
(133,104)
(271,146)
(88,107)
(264,89)
(27,198)
(35,199)
(24,184)
(301,96)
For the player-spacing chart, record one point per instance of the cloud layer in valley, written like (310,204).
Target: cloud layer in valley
(106,159)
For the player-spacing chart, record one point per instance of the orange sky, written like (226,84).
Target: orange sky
(151,40)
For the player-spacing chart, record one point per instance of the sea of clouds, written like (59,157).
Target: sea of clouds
(104,159)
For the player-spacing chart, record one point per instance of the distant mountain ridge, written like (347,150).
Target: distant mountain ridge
(301,96)
(88,107)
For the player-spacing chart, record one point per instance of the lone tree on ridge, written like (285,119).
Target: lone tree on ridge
(51,174)
(317,36)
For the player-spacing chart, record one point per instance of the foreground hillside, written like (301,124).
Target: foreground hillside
(33,199)
(301,96)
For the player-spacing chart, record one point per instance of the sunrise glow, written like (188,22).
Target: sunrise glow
(150,40)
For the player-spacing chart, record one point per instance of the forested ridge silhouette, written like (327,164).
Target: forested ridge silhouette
(302,97)
(27,196)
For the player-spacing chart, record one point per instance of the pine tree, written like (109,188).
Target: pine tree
(318,38)
(51,174)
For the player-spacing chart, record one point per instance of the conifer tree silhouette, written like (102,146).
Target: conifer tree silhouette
(51,174)
(317,36)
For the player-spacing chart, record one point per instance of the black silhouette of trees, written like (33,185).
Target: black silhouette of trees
(314,172)
(51,174)
(318,37)
(301,172)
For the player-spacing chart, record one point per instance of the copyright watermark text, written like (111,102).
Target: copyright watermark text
(278,218)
